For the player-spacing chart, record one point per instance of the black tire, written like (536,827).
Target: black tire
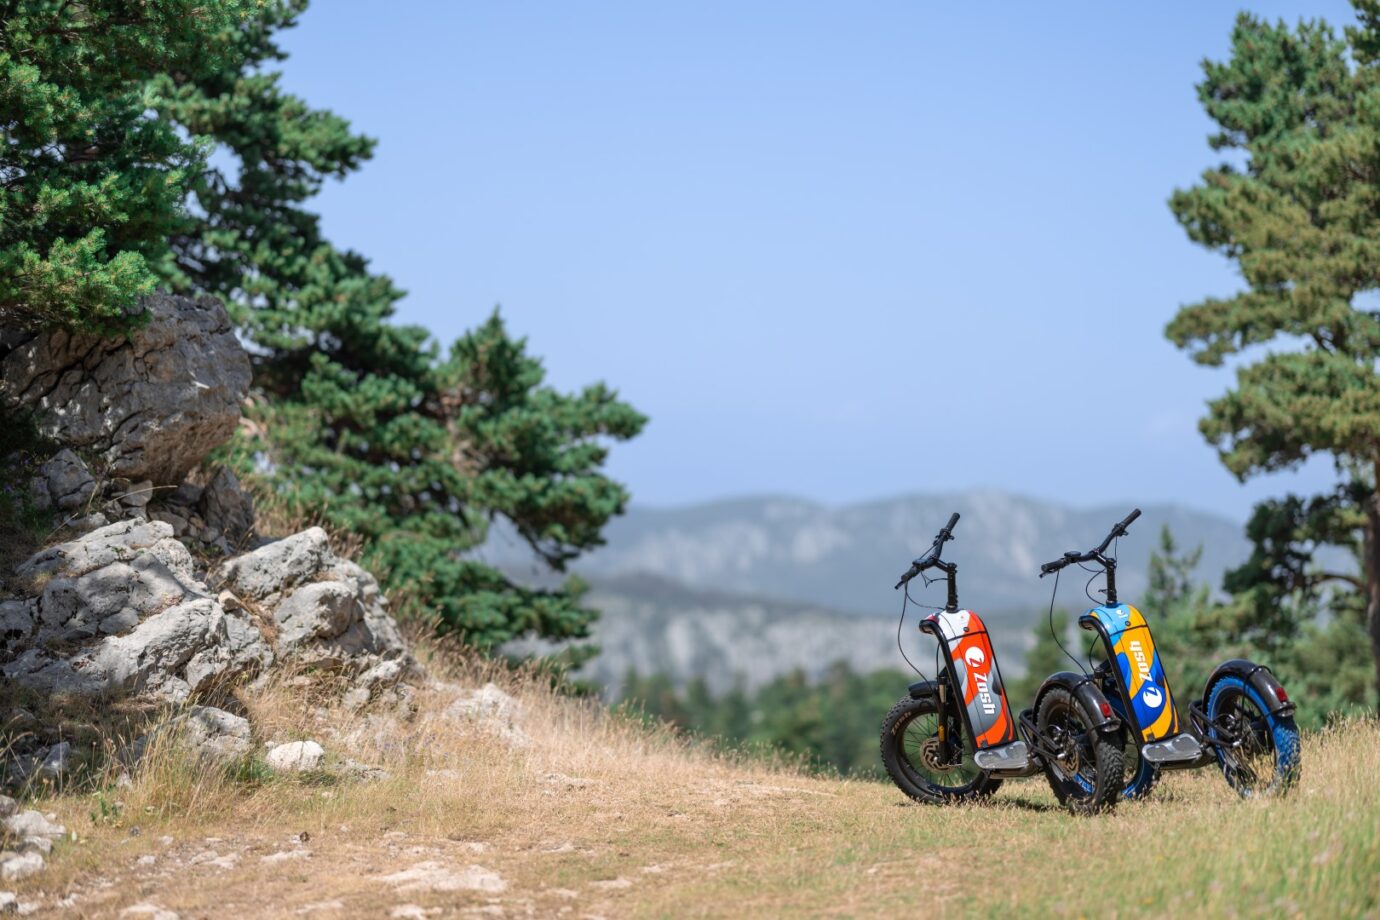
(1092,758)
(905,731)
(1141,776)
(1264,760)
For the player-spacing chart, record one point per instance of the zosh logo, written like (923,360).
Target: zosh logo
(975,658)
(1149,693)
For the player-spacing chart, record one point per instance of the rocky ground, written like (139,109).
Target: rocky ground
(140,606)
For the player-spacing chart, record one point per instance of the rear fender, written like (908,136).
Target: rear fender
(1259,677)
(1087,692)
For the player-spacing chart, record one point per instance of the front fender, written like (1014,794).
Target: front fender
(1087,692)
(1261,678)
(922,689)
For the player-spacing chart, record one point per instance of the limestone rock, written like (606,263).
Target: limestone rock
(64,482)
(123,609)
(295,756)
(32,824)
(152,404)
(40,845)
(14,866)
(132,495)
(490,709)
(212,734)
(272,570)
(323,605)
(227,508)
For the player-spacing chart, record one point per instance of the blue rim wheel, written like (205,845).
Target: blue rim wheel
(1263,756)
(1141,775)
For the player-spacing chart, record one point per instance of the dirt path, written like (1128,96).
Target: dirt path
(586,816)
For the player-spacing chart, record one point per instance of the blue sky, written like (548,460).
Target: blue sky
(835,250)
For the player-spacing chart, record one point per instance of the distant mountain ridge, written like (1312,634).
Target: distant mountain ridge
(848,557)
(750,588)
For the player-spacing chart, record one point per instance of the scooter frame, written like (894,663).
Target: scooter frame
(1010,756)
(1164,742)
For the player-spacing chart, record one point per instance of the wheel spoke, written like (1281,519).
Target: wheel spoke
(1248,751)
(921,747)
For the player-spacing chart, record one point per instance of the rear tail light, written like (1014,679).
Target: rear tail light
(1107,709)
(1283,697)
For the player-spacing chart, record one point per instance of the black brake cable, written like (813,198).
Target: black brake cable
(1087,588)
(1055,635)
(906,599)
(1092,643)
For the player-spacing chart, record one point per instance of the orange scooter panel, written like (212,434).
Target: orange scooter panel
(973,662)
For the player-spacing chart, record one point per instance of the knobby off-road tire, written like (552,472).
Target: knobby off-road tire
(1095,761)
(1141,775)
(1267,762)
(904,732)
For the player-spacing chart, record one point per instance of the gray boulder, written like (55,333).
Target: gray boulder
(32,824)
(56,762)
(294,757)
(323,606)
(226,507)
(64,482)
(119,610)
(211,734)
(152,404)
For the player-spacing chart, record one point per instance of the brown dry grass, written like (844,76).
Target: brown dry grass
(603,817)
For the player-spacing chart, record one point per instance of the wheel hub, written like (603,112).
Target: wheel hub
(1066,749)
(932,755)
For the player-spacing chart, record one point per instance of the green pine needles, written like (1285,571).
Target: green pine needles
(1299,214)
(108,188)
(91,180)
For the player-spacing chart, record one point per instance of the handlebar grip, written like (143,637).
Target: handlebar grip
(1129,518)
(910,573)
(949,527)
(1049,568)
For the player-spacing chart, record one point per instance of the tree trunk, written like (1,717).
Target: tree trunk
(1370,548)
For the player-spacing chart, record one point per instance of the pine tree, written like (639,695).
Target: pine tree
(362,422)
(1044,658)
(1300,217)
(1171,575)
(91,182)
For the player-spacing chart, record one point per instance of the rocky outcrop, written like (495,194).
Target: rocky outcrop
(321,608)
(27,836)
(150,404)
(143,597)
(63,482)
(120,611)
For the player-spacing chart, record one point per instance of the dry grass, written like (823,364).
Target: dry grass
(602,817)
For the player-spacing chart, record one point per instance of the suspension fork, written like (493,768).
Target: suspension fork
(950,747)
